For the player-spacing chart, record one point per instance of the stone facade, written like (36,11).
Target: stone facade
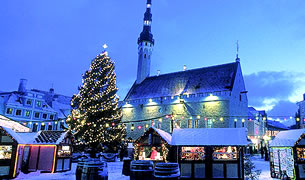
(220,109)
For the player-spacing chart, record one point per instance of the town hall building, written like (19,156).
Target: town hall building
(207,97)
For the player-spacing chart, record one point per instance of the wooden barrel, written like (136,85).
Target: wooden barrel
(167,171)
(126,166)
(95,170)
(79,168)
(141,170)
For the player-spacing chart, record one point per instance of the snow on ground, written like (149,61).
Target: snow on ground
(115,172)
(262,165)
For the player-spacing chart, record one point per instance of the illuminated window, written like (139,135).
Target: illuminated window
(18,112)
(210,123)
(5,152)
(196,123)
(192,153)
(301,154)
(189,125)
(9,111)
(38,103)
(64,151)
(225,153)
(27,113)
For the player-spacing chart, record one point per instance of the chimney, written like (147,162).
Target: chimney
(184,67)
(158,72)
(22,85)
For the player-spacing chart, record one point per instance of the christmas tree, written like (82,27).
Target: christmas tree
(95,119)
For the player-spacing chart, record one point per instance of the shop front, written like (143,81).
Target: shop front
(215,153)
(287,155)
(8,149)
(47,151)
(153,145)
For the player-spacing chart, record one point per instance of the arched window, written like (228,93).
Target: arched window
(144,56)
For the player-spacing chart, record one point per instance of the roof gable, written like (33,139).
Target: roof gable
(207,79)
(287,138)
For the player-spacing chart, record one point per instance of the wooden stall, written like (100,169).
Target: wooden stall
(287,155)
(10,153)
(46,151)
(210,153)
(49,151)
(153,145)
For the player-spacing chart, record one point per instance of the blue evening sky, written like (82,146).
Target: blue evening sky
(53,42)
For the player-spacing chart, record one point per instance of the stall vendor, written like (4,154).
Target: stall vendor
(153,153)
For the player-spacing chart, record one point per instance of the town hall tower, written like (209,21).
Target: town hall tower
(145,46)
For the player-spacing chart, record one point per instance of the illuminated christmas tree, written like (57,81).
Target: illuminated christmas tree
(95,118)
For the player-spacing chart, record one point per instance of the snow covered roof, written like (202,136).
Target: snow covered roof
(41,137)
(210,137)
(287,138)
(166,136)
(14,135)
(201,80)
(6,122)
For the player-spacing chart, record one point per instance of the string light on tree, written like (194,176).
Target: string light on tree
(95,107)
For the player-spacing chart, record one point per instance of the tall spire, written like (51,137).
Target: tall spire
(237,51)
(146,34)
(145,46)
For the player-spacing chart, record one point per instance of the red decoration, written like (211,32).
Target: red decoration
(139,127)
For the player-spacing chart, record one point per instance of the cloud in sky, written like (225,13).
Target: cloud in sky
(276,92)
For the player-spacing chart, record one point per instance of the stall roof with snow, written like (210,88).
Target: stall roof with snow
(210,137)
(41,137)
(9,123)
(288,138)
(164,135)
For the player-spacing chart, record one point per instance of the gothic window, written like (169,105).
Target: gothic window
(144,56)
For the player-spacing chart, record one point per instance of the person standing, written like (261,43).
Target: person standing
(153,153)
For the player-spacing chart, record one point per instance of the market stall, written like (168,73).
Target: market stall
(210,153)
(10,153)
(47,151)
(153,145)
(287,155)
